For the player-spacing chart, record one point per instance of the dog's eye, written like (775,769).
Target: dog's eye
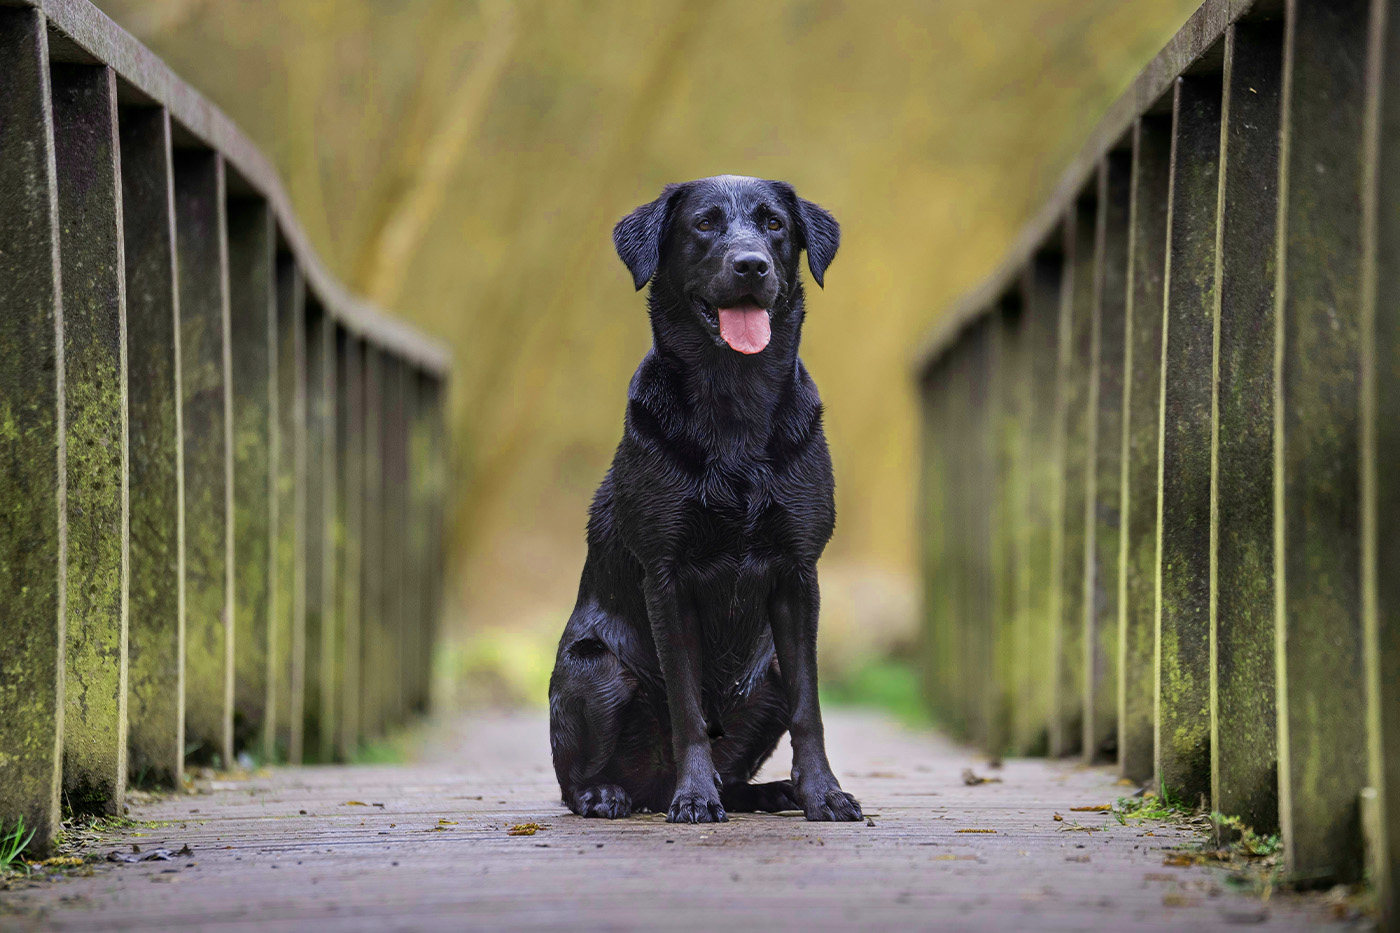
(704,226)
(774,223)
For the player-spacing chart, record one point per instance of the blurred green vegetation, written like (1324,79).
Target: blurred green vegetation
(462,163)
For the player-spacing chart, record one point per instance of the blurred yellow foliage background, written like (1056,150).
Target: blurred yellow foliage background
(462,163)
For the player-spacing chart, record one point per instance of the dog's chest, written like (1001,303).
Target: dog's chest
(736,518)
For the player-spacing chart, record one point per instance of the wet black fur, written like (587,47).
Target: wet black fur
(692,646)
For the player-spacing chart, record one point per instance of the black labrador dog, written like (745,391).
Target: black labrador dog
(693,645)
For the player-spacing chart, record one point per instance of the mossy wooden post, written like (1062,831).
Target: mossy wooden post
(201,246)
(980,623)
(1244,749)
(287,641)
(1109,328)
(1321,675)
(1380,341)
(932,482)
(94,362)
(1014,655)
(253,312)
(374,630)
(394,585)
(156,630)
(349,498)
(439,508)
(314,542)
(1142,399)
(1183,532)
(420,487)
(32,493)
(329,647)
(1042,284)
(1075,535)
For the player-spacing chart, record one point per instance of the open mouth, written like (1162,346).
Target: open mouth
(744,326)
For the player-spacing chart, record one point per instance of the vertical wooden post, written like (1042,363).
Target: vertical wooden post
(94,361)
(374,629)
(331,630)
(156,632)
(1184,535)
(1105,494)
(1380,342)
(1320,639)
(1244,750)
(201,246)
(1075,535)
(314,542)
(1012,397)
(287,641)
(1142,400)
(350,455)
(32,487)
(253,313)
(1042,285)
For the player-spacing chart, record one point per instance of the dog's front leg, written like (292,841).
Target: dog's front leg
(696,798)
(793,616)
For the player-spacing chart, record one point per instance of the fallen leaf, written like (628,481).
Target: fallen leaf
(972,778)
(155,855)
(1181,860)
(1076,858)
(442,822)
(1096,808)
(354,803)
(1059,819)
(975,830)
(525,829)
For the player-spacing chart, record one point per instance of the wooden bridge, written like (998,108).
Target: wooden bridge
(1157,515)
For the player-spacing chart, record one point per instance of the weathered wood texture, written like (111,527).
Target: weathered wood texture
(1183,529)
(288,641)
(1142,402)
(1252,437)
(431,849)
(1322,683)
(1244,775)
(201,248)
(156,633)
(1381,442)
(1101,633)
(95,398)
(253,318)
(32,456)
(1074,533)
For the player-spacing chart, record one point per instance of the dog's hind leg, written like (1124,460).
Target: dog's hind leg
(752,733)
(587,694)
(771,797)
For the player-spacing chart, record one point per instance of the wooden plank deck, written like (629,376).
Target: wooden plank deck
(429,849)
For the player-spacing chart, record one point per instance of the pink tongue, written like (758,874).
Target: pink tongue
(745,328)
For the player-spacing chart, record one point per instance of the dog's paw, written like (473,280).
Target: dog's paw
(603,800)
(696,807)
(831,805)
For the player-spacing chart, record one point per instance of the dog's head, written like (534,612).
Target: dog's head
(729,248)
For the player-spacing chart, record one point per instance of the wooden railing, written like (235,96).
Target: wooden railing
(221,476)
(1161,481)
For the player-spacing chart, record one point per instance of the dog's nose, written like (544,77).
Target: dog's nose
(751,264)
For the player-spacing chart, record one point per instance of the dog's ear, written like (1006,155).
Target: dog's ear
(822,234)
(819,232)
(638,236)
